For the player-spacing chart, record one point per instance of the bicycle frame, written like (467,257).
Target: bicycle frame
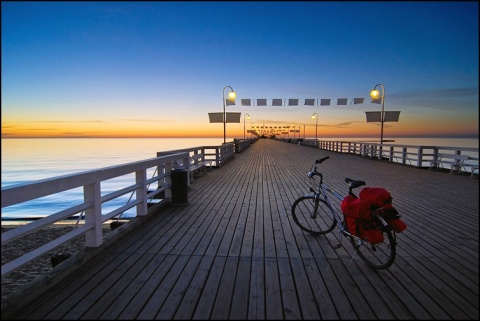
(314,213)
(322,194)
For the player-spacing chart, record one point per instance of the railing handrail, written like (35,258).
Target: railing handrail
(90,181)
(93,199)
(416,155)
(216,154)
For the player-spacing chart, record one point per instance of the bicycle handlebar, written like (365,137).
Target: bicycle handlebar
(319,161)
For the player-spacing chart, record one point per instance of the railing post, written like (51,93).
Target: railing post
(390,154)
(168,180)
(93,215)
(435,155)
(420,156)
(141,192)
(456,166)
(404,155)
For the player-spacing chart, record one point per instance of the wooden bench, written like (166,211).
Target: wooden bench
(455,161)
(474,168)
(402,159)
(198,166)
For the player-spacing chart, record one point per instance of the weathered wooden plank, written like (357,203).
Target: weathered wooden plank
(240,298)
(273,290)
(207,299)
(93,305)
(235,253)
(186,308)
(308,306)
(324,302)
(140,299)
(256,304)
(290,304)
(123,299)
(174,297)
(223,299)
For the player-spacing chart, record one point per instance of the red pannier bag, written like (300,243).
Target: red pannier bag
(354,211)
(380,197)
(377,196)
(359,221)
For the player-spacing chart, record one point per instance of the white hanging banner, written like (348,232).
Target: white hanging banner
(391,116)
(357,101)
(292,102)
(376,116)
(309,102)
(228,102)
(277,102)
(246,102)
(215,117)
(325,102)
(233,117)
(261,102)
(373,116)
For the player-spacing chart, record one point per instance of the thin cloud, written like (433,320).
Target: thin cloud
(147,120)
(8,126)
(81,133)
(35,129)
(66,121)
(341,125)
(439,93)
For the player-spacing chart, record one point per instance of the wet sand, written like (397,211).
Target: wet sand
(14,280)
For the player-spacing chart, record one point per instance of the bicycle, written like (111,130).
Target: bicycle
(315,214)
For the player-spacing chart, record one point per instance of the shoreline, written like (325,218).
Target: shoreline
(13,281)
(11,223)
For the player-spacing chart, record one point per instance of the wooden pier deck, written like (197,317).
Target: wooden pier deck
(235,253)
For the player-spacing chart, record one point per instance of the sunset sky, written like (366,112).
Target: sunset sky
(156,69)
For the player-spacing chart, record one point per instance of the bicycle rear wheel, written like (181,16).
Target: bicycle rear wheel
(314,217)
(380,255)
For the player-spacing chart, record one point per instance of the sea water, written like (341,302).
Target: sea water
(27,160)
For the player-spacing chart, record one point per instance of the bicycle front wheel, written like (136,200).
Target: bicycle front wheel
(313,216)
(379,255)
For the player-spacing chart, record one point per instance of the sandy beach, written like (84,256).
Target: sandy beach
(14,280)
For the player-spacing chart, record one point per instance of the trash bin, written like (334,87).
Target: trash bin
(179,178)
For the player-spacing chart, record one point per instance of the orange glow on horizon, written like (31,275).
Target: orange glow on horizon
(146,129)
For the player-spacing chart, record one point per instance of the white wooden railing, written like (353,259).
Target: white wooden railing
(93,198)
(95,195)
(418,156)
(216,155)
(242,144)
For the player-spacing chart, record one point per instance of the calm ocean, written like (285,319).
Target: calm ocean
(25,160)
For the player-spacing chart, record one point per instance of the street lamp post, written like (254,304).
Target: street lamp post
(315,116)
(248,117)
(375,94)
(231,96)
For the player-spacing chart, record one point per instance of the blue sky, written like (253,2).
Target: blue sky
(79,69)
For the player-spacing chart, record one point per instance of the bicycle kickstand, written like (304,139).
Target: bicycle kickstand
(339,245)
(353,257)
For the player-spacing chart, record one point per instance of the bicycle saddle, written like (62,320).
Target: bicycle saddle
(353,183)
